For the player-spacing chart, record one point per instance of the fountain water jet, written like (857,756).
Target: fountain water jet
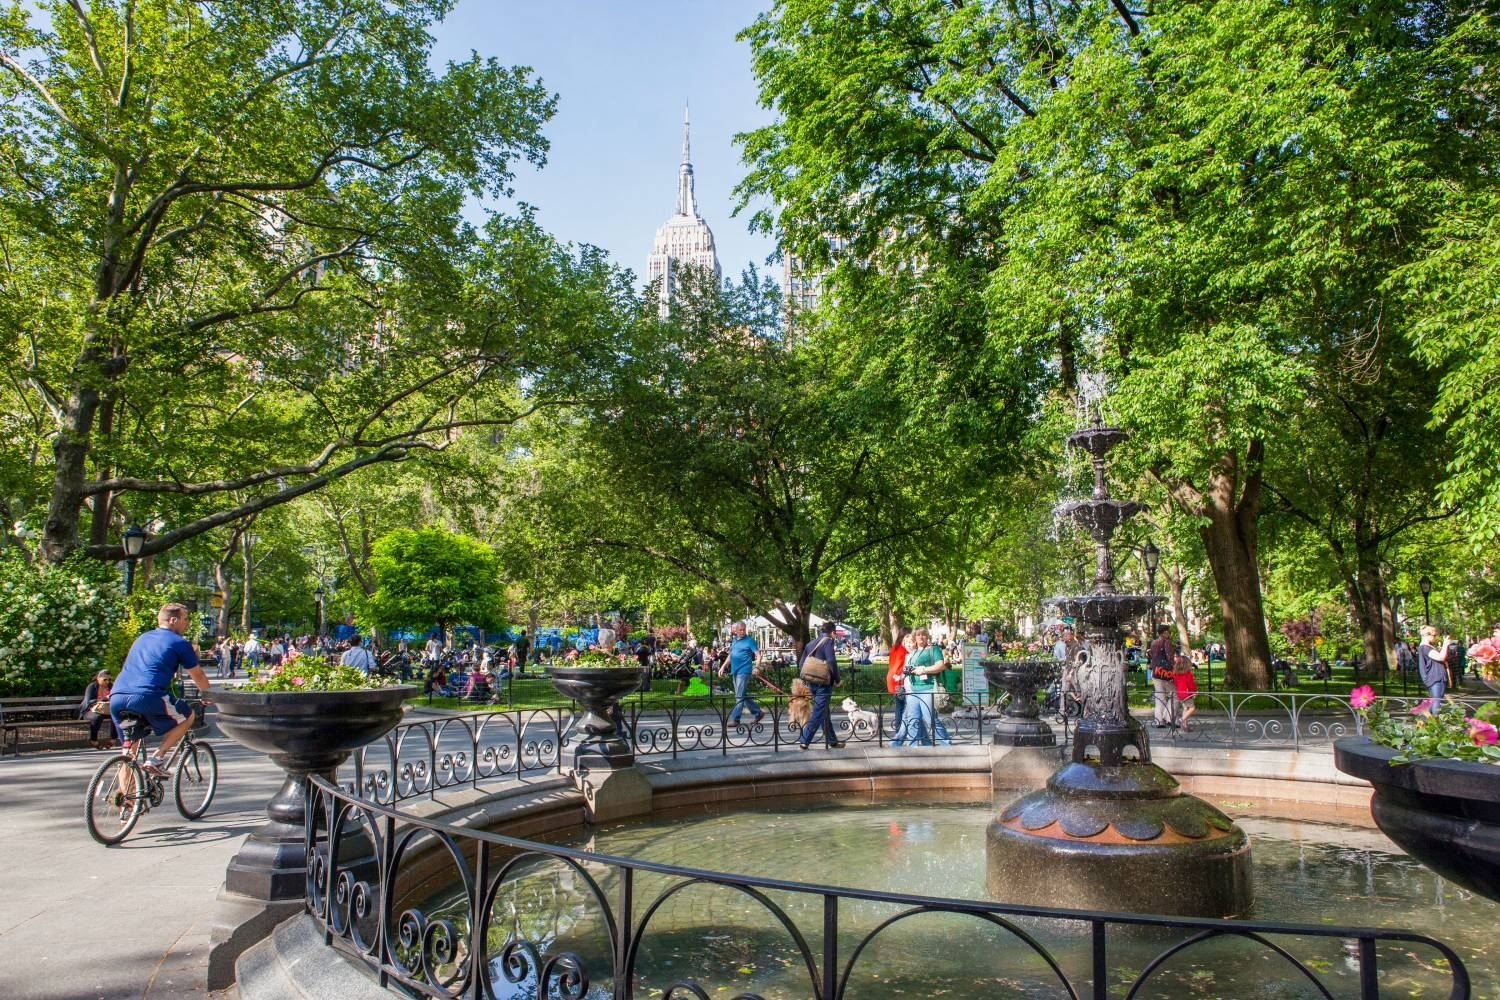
(1111,830)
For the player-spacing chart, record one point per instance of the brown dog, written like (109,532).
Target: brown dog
(799,706)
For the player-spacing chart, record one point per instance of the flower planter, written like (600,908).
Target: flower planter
(598,690)
(1444,813)
(303,732)
(1021,725)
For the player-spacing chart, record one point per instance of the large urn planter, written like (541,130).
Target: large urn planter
(1021,724)
(304,733)
(598,690)
(1444,813)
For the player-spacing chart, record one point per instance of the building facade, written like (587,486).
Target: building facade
(684,240)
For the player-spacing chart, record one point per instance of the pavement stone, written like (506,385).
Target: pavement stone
(80,921)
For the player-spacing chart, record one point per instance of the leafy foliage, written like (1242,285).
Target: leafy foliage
(430,577)
(304,673)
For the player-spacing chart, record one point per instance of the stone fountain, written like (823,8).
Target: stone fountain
(1111,830)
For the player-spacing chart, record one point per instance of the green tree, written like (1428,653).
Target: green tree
(235,266)
(430,577)
(1205,201)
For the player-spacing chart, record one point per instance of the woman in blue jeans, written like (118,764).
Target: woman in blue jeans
(922,668)
(820,649)
(1432,664)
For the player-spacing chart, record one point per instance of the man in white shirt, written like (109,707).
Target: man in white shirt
(434,650)
(358,657)
(252,652)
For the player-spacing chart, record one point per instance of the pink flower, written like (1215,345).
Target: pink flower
(298,681)
(1423,707)
(1482,733)
(1362,696)
(1485,651)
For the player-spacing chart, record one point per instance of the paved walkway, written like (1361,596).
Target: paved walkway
(80,921)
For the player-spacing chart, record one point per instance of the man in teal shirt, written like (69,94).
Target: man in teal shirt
(744,657)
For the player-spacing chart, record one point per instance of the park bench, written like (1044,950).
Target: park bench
(41,724)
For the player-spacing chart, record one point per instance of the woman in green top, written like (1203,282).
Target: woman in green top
(922,668)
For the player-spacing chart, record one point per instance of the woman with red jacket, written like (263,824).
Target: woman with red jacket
(895,675)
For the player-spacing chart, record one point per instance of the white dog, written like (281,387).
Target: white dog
(861,720)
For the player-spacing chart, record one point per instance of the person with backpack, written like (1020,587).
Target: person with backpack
(1160,659)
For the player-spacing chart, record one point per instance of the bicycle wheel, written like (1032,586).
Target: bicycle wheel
(196,779)
(114,800)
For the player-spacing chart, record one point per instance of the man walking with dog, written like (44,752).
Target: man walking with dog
(820,671)
(744,663)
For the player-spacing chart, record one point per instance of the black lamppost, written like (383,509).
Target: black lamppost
(132,542)
(318,596)
(1426,584)
(1151,556)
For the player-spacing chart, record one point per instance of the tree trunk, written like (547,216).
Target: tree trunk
(221,587)
(1369,593)
(70,451)
(246,568)
(1229,538)
(1175,578)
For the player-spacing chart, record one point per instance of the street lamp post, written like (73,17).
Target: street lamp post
(132,542)
(1151,556)
(318,597)
(1426,584)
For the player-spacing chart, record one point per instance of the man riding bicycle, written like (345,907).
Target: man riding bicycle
(142,686)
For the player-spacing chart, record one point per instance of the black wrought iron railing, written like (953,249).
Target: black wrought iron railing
(444,911)
(427,756)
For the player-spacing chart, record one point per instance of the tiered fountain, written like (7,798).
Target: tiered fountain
(1111,830)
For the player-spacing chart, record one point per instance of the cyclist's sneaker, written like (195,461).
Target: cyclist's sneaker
(156,766)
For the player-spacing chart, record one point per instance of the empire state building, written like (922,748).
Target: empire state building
(684,239)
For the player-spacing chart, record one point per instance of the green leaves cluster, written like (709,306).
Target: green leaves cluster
(429,577)
(312,674)
(1443,733)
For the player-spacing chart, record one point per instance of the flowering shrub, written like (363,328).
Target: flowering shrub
(310,673)
(1428,730)
(596,657)
(55,623)
(1021,649)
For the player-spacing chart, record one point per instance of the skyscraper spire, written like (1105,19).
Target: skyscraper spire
(684,240)
(687,203)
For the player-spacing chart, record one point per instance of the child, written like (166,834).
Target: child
(1187,689)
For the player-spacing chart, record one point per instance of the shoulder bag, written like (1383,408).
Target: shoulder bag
(815,669)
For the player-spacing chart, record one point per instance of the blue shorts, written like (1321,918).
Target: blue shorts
(163,712)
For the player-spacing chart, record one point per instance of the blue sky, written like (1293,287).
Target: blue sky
(622,71)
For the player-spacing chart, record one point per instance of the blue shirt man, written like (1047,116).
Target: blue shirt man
(142,687)
(743,656)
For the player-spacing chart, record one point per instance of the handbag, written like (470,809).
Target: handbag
(100,707)
(815,670)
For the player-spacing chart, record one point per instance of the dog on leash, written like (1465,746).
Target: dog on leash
(861,720)
(799,705)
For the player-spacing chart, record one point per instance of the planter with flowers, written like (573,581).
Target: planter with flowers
(308,717)
(1437,784)
(597,681)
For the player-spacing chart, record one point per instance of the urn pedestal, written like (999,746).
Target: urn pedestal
(1021,725)
(304,733)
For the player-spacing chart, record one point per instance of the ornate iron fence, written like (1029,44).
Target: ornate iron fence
(373,871)
(425,757)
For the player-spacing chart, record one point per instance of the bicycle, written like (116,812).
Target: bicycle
(122,788)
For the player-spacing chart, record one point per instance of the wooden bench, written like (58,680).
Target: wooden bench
(41,724)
